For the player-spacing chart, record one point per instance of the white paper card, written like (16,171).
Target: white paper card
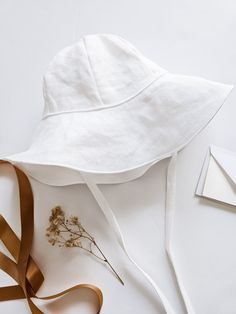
(218,177)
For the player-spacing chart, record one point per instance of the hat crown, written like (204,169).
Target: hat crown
(98,71)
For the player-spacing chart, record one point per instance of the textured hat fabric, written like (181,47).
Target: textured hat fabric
(109,110)
(110,113)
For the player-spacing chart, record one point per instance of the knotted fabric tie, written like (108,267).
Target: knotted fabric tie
(23,269)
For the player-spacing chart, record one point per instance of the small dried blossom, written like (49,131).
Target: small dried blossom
(70,233)
(57,217)
(74,220)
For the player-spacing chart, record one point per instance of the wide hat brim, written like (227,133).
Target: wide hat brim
(120,142)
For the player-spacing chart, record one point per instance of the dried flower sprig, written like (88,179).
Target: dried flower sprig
(70,233)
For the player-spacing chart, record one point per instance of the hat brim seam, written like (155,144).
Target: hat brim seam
(150,82)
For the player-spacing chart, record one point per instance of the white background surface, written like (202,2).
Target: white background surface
(187,37)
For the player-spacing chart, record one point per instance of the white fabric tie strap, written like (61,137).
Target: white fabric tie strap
(169,222)
(102,202)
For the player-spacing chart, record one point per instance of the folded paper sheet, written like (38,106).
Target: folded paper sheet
(218,177)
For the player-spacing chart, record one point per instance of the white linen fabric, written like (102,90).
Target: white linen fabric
(110,113)
(109,109)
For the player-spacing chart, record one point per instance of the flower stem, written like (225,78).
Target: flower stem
(105,259)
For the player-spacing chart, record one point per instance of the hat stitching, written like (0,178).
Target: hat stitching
(91,71)
(150,82)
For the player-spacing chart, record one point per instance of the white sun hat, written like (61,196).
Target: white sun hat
(110,113)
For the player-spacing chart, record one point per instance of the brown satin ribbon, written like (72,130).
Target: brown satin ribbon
(24,270)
